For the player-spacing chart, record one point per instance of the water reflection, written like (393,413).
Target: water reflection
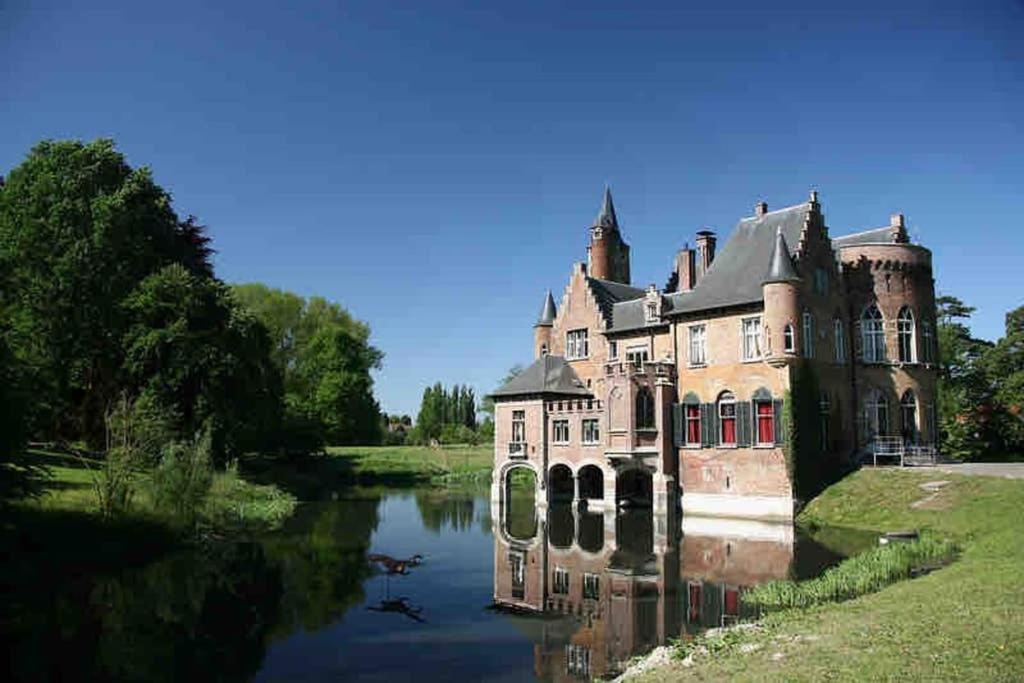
(604,587)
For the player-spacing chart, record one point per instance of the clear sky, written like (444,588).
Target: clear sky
(433,166)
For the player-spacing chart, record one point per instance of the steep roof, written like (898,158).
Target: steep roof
(609,293)
(780,268)
(607,217)
(876,236)
(548,375)
(548,311)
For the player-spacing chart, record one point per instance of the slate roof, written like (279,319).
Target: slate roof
(548,375)
(780,268)
(548,311)
(607,217)
(876,236)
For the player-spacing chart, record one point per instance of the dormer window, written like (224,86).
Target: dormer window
(652,306)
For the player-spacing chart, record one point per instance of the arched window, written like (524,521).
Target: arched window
(872,332)
(644,409)
(876,415)
(543,349)
(727,419)
(908,417)
(905,335)
(764,416)
(691,409)
(927,343)
(840,340)
(808,336)
(788,341)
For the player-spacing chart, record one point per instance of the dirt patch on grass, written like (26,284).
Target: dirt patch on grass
(935,500)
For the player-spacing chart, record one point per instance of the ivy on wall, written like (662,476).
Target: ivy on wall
(809,469)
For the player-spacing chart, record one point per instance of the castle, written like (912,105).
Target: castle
(786,349)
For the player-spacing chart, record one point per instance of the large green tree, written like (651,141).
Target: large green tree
(1004,367)
(79,229)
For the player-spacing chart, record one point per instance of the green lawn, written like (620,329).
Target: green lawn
(965,621)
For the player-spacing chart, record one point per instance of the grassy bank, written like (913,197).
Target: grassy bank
(964,621)
(318,477)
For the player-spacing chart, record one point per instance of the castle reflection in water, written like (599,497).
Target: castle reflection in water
(595,589)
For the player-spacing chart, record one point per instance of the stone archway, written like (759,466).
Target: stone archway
(519,487)
(634,487)
(591,482)
(561,487)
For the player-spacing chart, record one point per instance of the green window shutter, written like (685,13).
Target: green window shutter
(707,424)
(743,424)
(777,407)
(678,425)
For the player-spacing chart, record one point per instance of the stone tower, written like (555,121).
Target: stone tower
(781,288)
(607,255)
(542,328)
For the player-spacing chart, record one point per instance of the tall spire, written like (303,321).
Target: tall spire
(780,268)
(547,313)
(607,219)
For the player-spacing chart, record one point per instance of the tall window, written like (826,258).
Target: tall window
(698,345)
(576,344)
(821,281)
(644,409)
(518,426)
(561,582)
(613,349)
(515,560)
(927,343)
(765,422)
(637,355)
(825,408)
(808,336)
(591,586)
(788,339)
(905,335)
(591,432)
(908,417)
(692,411)
(839,337)
(727,419)
(561,431)
(872,333)
(876,415)
(751,339)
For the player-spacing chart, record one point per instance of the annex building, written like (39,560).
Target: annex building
(698,388)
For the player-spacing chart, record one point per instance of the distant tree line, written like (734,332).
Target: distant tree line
(447,415)
(981,386)
(109,303)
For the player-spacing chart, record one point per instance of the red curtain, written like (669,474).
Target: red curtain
(692,424)
(729,430)
(765,423)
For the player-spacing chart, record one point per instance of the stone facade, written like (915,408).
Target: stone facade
(687,385)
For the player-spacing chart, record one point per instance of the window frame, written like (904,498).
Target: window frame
(807,320)
(590,422)
(872,332)
(638,350)
(756,436)
(727,398)
(754,336)
(591,586)
(698,339)
(838,340)
(788,339)
(557,576)
(555,425)
(519,425)
(906,337)
(644,417)
(577,344)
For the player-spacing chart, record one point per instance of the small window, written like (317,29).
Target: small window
(644,409)
(872,331)
(560,431)
(788,339)
(613,349)
(808,336)
(591,432)
(652,312)
(637,355)
(727,419)
(908,417)
(576,344)
(561,582)
(591,586)
(751,339)
(765,413)
(692,411)
(905,335)
(698,345)
(518,426)
(927,343)
(839,339)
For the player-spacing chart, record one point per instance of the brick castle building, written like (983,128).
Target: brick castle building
(638,395)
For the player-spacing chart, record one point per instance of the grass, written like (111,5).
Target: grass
(964,621)
(319,477)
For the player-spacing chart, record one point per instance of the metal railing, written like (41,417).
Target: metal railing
(908,453)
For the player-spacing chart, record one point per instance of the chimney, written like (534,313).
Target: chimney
(760,209)
(685,269)
(898,228)
(705,252)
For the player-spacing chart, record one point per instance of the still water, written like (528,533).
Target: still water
(525,595)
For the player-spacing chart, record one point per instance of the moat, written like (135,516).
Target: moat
(558,594)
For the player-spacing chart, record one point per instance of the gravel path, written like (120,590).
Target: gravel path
(1009,470)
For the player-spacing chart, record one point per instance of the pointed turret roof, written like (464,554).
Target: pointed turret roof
(780,267)
(548,311)
(607,218)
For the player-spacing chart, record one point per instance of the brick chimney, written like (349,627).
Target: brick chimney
(898,228)
(705,252)
(760,209)
(685,269)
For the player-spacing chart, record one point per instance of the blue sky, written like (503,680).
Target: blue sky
(433,166)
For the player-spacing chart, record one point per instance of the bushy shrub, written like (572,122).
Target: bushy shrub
(182,479)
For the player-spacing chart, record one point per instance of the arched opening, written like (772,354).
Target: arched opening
(908,418)
(726,419)
(561,526)
(520,503)
(591,482)
(560,484)
(905,335)
(591,535)
(876,415)
(644,409)
(634,536)
(634,488)
(872,331)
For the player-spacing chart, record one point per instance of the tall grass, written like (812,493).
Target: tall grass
(865,573)
(235,503)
